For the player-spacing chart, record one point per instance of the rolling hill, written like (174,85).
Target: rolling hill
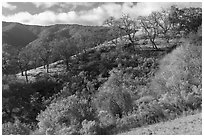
(16,36)
(20,35)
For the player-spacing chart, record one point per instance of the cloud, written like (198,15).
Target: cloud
(45,4)
(93,16)
(73,5)
(147,7)
(8,6)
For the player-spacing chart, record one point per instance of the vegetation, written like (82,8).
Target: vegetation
(104,88)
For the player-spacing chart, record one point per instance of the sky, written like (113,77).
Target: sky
(84,13)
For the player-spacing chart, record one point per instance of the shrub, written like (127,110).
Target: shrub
(64,130)
(15,101)
(65,113)
(89,127)
(114,97)
(179,76)
(127,122)
(106,119)
(16,128)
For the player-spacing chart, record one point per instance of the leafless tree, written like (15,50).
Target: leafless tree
(45,54)
(123,26)
(150,27)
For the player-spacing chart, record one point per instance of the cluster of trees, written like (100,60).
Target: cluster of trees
(165,24)
(109,89)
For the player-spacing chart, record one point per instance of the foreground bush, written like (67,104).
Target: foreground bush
(65,115)
(179,78)
(114,97)
(61,112)
(89,127)
(16,128)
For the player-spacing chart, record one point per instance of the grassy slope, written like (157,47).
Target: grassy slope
(58,66)
(189,125)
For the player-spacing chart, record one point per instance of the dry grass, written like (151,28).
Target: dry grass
(189,125)
(54,68)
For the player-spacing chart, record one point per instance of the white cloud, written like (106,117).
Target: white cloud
(62,4)
(48,17)
(8,6)
(45,4)
(147,7)
(94,16)
(112,9)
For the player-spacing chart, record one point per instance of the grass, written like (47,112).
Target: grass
(54,68)
(186,125)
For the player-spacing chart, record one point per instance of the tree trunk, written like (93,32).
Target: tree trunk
(154,44)
(131,40)
(35,64)
(21,70)
(47,67)
(26,75)
(67,64)
(22,73)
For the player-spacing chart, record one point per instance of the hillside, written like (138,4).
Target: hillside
(17,35)
(188,125)
(29,33)
(85,36)
(58,66)
(96,80)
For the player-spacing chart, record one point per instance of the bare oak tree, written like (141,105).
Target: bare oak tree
(24,60)
(121,27)
(129,26)
(45,54)
(164,25)
(115,32)
(150,27)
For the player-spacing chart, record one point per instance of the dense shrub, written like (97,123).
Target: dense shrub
(145,114)
(89,127)
(64,130)
(16,128)
(178,81)
(65,112)
(61,112)
(114,96)
(15,98)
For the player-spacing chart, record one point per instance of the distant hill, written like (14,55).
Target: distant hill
(19,35)
(16,34)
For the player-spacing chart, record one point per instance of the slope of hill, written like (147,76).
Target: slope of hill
(20,35)
(85,36)
(189,125)
(17,35)
(58,66)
